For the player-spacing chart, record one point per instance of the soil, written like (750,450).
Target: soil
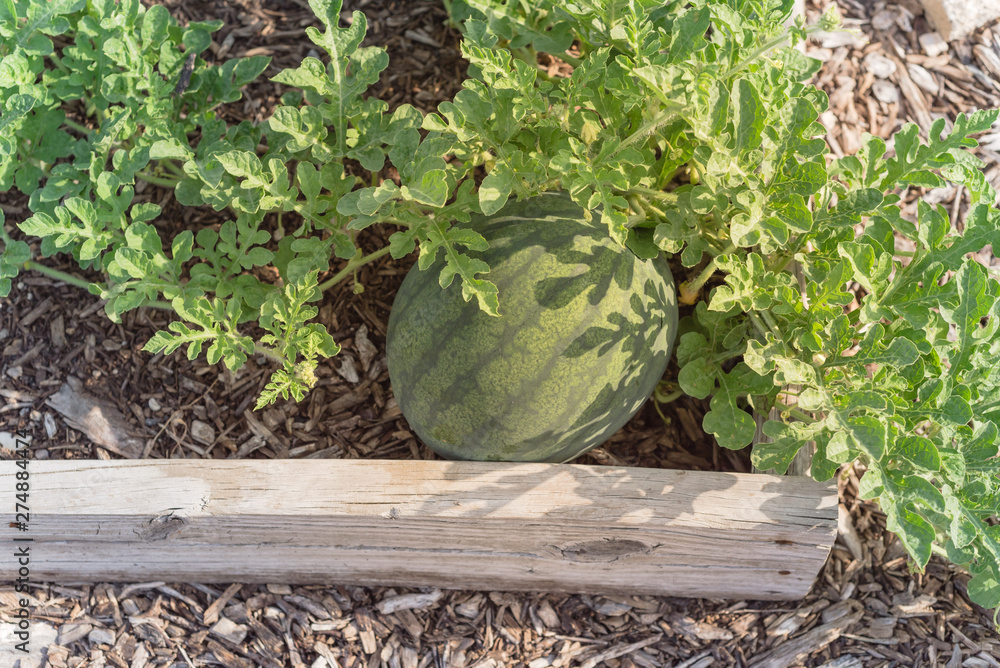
(50,331)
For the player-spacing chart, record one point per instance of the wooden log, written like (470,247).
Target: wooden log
(477,525)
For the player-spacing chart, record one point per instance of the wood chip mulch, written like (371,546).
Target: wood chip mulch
(865,610)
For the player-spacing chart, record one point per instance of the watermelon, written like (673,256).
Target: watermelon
(584,334)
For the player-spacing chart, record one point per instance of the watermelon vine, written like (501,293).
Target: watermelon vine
(691,126)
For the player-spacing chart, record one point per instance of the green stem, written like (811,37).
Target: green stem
(764,48)
(901,278)
(982,409)
(396,221)
(353,264)
(726,355)
(649,208)
(717,246)
(57,61)
(58,275)
(157,180)
(571,60)
(656,405)
(689,289)
(76,281)
(645,131)
(261,349)
(795,412)
(169,164)
(771,324)
(90,109)
(757,323)
(300,209)
(82,129)
(677,394)
(635,220)
(638,215)
(756,53)
(782,260)
(669,198)
(447,10)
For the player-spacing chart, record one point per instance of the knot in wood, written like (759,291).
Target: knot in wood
(604,550)
(161,527)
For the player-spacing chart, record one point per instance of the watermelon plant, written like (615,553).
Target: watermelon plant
(686,130)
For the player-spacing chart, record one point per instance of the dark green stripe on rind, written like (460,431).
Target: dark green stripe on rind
(584,335)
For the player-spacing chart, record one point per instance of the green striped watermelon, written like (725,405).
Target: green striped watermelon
(585,333)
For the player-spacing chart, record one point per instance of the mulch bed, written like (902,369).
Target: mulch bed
(864,610)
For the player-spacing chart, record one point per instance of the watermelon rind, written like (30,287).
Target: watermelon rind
(584,335)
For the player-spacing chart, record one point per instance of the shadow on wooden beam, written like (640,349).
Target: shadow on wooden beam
(492,526)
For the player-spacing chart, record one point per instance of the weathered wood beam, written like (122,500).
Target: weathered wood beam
(493,526)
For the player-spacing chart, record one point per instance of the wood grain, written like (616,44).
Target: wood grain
(494,526)
(100,420)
